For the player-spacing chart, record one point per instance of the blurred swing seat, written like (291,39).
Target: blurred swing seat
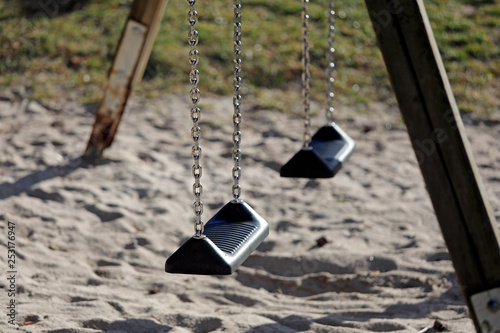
(329,148)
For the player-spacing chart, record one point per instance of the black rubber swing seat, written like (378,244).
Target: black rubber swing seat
(229,238)
(329,148)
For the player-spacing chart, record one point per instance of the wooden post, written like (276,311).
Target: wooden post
(128,67)
(149,13)
(437,134)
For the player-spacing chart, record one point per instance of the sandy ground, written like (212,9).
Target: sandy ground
(91,240)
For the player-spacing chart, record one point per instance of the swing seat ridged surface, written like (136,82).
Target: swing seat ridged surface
(329,148)
(230,236)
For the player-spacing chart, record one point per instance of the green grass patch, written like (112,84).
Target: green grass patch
(69,54)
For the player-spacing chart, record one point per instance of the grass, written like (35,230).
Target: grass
(54,55)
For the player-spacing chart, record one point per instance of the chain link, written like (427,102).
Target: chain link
(236,191)
(306,74)
(194,76)
(330,61)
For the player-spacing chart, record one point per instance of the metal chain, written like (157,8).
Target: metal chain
(306,74)
(237,101)
(194,77)
(330,61)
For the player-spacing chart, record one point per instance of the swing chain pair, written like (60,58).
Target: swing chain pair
(306,75)
(194,76)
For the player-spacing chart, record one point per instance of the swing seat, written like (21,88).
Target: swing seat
(229,238)
(329,148)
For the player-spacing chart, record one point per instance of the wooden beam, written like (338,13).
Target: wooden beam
(150,14)
(437,134)
(134,49)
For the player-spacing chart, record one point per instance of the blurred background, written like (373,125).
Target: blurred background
(59,49)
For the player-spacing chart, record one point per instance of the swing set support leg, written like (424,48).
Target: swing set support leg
(438,137)
(132,54)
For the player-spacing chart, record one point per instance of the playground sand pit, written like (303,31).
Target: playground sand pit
(361,252)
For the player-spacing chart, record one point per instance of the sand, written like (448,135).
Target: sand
(92,239)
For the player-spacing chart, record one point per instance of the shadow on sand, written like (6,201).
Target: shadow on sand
(24,184)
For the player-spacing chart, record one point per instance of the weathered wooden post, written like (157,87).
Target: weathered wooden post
(437,134)
(128,67)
